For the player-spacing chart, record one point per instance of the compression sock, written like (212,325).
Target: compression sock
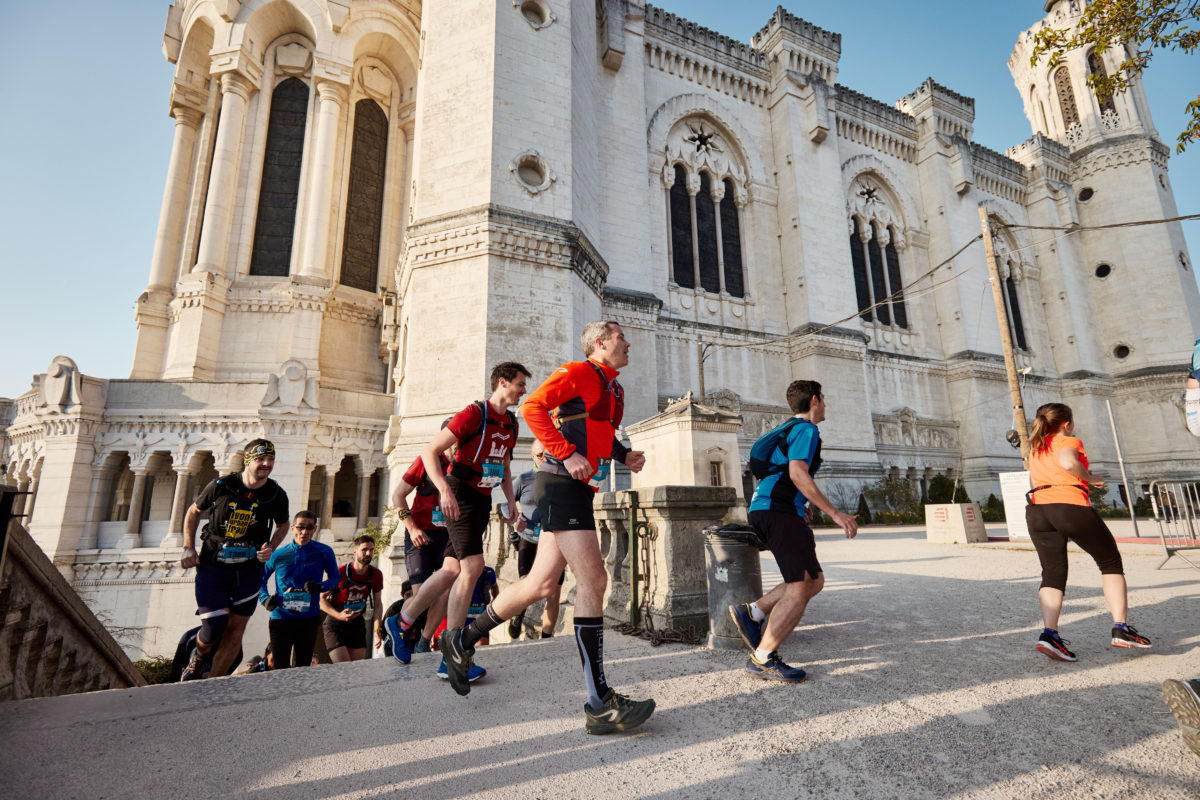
(757,613)
(589,637)
(480,628)
(761,656)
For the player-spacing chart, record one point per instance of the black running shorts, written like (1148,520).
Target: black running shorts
(474,509)
(233,589)
(791,541)
(352,634)
(421,562)
(564,503)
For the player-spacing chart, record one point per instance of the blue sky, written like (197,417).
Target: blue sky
(85,141)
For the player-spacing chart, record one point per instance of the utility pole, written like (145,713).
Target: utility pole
(1010,365)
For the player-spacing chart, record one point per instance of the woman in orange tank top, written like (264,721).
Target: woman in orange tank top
(1059,511)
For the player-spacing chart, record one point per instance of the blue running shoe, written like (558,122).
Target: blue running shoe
(773,669)
(750,630)
(422,646)
(473,674)
(400,649)
(458,660)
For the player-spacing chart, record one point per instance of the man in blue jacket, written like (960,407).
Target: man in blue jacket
(303,570)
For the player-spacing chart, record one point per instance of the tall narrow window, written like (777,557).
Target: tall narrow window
(364,200)
(1015,325)
(275,223)
(899,312)
(681,232)
(731,243)
(1096,67)
(1066,97)
(706,231)
(878,281)
(862,288)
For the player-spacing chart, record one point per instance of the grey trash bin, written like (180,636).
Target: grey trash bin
(734,576)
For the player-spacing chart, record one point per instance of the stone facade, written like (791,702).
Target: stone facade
(370,202)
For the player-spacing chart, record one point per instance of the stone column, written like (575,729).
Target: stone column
(693,189)
(327,500)
(718,195)
(32,498)
(364,495)
(236,88)
(331,97)
(179,506)
(19,502)
(89,537)
(151,314)
(133,527)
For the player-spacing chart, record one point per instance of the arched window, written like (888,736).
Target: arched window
(683,268)
(875,244)
(1066,97)
(731,242)
(706,231)
(364,200)
(895,282)
(1096,67)
(275,222)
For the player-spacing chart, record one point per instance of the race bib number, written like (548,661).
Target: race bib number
(438,520)
(356,605)
(238,524)
(296,601)
(597,480)
(493,473)
(235,553)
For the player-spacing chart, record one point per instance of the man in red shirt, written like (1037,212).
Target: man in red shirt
(580,438)
(345,634)
(485,433)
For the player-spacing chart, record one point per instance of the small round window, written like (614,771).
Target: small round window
(1121,351)
(1085,194)
(535,13)
(1103,271)
(532,172)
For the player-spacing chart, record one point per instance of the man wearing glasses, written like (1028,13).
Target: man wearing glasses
(527,532)
(235,543)
(779,512)
(303,570)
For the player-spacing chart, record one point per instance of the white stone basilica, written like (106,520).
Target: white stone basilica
(370,202)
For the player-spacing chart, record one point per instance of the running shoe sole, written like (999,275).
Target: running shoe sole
(400,650)
(600,727)
(1185,705)
(477,672)
(766,673)
(1121,642)
(1054,652)
(747,628)
(458,662)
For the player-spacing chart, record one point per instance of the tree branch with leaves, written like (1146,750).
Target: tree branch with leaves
(1135,29)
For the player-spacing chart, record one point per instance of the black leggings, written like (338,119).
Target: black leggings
(1051,525)
(299,635)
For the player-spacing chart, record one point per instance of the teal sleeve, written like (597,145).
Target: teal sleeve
(802,443)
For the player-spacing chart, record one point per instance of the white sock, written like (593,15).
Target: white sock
(761,655)
(757,613)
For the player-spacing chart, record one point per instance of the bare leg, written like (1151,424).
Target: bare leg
(460,593)
(1051,601)
(770,599)
(541,579)
(432,589)
(231,642)
(553,605)
(340,655)
(787,611)
(1116,595)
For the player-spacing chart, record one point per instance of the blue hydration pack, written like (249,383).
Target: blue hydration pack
(1196,361)
(760,454)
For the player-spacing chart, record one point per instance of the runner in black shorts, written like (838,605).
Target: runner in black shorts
(484,434)
(587,404)
(779,511)
(345,633)
(236,542)
(527,533)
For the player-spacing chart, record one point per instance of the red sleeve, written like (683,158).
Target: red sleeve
(376,580)
(465,422)
(553,392)
(415,473)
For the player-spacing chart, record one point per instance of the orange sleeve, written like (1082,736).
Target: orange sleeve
(553,392)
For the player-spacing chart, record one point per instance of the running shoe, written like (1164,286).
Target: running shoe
(458,660)
(475,673)
(422,646)
(1055,647)
(1183,698)
(196,667)
(1129,637)
(773,669)
(750,630)
(400,648)
(514,626)
(618,713)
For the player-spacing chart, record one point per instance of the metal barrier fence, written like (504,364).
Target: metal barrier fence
(1177,511)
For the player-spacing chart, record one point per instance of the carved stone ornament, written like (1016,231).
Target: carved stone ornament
(291,389)
(61,389)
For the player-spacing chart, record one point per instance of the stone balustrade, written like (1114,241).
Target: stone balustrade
(50,642)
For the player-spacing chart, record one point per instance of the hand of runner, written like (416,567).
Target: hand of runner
(419,539)
(449,506)
(578,466)
(635,460)
(1095,480)
(520,523)
(378,638)
(514,514)
(264,552)
(190,559)
(346,615)
(847,523)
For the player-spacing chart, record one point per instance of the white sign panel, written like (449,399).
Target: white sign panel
(1013,486)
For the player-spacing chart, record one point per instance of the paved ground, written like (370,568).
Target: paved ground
(923,683)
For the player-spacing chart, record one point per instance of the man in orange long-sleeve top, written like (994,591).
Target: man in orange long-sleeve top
(581,442)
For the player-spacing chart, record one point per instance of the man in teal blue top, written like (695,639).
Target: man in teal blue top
(785,461)
(303,570)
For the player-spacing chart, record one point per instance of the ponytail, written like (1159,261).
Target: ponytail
(1051,418)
